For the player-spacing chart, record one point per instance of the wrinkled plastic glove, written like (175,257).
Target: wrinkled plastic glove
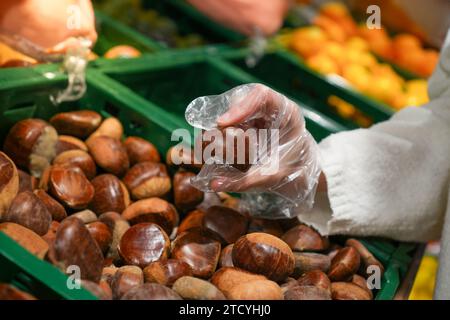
(282,178)
(46,27)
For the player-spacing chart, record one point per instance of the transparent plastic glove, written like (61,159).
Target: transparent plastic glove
(45,29)
(282,178)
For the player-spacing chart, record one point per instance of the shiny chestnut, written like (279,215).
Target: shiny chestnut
(229,224)
(186,197)
(109,154)
(80,123)
(9,183)
(344,265)
(304,238)
(140,150)
(77,158)
(148,179)
(110,194)
(166,272)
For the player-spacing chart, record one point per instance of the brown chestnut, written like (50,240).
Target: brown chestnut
(140,150)
(229,224)
(154,210)
(9,183)
(109,154)
(74,245)
(144,243)
(147,179)
(29,211)
(190,288)
(151,291)
(348,291)
(110,127)
(54,207)
(70,186)
(186,197)
(166,272)
(110,194)
(8,292)
(304,238)
(85,216)
(266,226)
(199,249)
(193,219)
(226,256)
(307,293)
(362,283)
(316,278)
(225,279)
(27,182)
(344,265)
(80,123)
(118,226)
(66,143)
(50,236)
(100,290)
(78,158)
(367,258)
(305,262)
(101,234)
(27,238)
(31,144)
(125,279)
(176,157)
(264,254)
(256,290)
(108,273)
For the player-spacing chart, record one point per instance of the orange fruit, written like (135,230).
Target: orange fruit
(357,75)
(343,108)
(331,28)
(308,41)
(122,51)
(335,51)
(322,64)
(429,63)
(357,43)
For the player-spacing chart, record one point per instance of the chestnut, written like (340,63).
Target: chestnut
(166,272)
(140,150)
(304,238)
(27,182)
(154,210)
(101,234)
(144,243)
(27,238)
(125,279)
(9,183)
(118,226)
(8,292)
(190,288)
(266,226)
(151,291)
(147,179)
(80,123)
(110,127)
(226,257)
(85,216)
(176,157)
(229,224)
(29,211)
(31,144)
(77,158)
(305,262)
(193,219)
(108,273)
(70,186)
(256,290)
(74,245)
(226,278)
(109,154)
(110,194)
(99,291)
(66,143)
(186,197)
(307,293)
(264,254)
(348,291)
(344,265)
(367,258)
(362,283)
(200,249)
(54,207)
(316,278)
(50,236)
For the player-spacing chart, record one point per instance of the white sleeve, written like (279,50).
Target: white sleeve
(391,180)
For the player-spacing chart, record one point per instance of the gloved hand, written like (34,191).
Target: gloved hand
(283,179)
(246,16)
(50,26)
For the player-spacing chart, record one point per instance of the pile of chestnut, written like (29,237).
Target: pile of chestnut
(75,193)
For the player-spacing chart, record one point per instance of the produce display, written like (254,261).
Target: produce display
(74,192)
(336,45)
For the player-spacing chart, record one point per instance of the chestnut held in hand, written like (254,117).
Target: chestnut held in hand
(264,254)
(31,144)
(144,243)
(148,179)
